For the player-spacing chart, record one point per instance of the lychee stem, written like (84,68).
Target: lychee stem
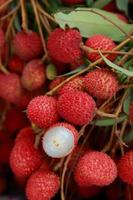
(39,25)
(45,23)
(88,49)
(11,23)
(124,58)
(59,164)
(11,12)
(38,138)
(5,4)
(88,67)
(24,15)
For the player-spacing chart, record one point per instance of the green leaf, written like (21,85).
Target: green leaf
(101,3)
(129,136)
(127,102)
(114,66)
(105,121)
(73,71)
(90,23)
(122,5)
(51,72)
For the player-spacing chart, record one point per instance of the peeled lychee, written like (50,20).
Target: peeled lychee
(101,83)
(64,45)
(24,158)
(131,112)
(42,110)
(33,76)
(59,140)
(10,87)
(27,45)
(76,84)
(42,185)
(100,42)
(15,64)
(125,167)
(95,168)
(72,2)
(76,107)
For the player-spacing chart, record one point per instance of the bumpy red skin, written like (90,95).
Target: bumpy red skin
(131,112)
(24,158)
(15,64)
(33,76)
(70,127)
(101,83)
(42,111)
(72,2)
(76,107)
(10,87)
(42,185)
(95,168)
(24,99)
(27,45)
(64,45)
(77,84)
(125,167)
(56,82)
(25,133)
(100,42)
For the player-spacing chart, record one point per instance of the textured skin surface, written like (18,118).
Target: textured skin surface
(125,168)
(100,42)
(70,127)
(76,107)
(10,87)
(27,45)
(56,82)
(131,112)
(71,2)
(24,158)
(42,185)
(64,46)
(25,133)
(95,168)
(15,64)
(101,83)
(90,191)
(33,76)
(77,84)
(42,111)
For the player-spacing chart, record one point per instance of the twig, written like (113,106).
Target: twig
(45,23)
(33,2)
(5,4)
(124,58)
(88,49)
(103,114)
(10,13)
(87,68)
(59,164)
(10,24)
(126,86)
(24,15)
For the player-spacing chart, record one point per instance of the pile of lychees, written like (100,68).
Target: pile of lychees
(47,127)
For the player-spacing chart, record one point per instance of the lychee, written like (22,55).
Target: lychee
(42,110)
(64,45)
(25,133)
(95,168)
(100,42)
(101,83)
(125,167)
(59,140)
(72,2)
(76,107)
(56,82)
(33,75)
(24,158)
(2,38)
(10,87)
(131,112)
(90,191)
(15,64)
(27,45)
(42,185)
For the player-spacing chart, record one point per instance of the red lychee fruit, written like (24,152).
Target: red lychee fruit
(90,191)
(76,64)
(101,83)
(15,119)
(33,76)
(76,107)
(42,110)
(111,7)
(122,18)
(131,112)
(42,185)
(10,87)
(56,82)
(15,64)
(60,66)
(64,45)
(125,166)
(25,133)
(76,84)
(24,158)
(72,2)
(5,150)
(100,42)
(60,140)
(4,52)
(24,99)
(27,45)
(95,168)
(2,38)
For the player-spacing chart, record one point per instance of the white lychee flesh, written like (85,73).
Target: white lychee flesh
(58,142)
